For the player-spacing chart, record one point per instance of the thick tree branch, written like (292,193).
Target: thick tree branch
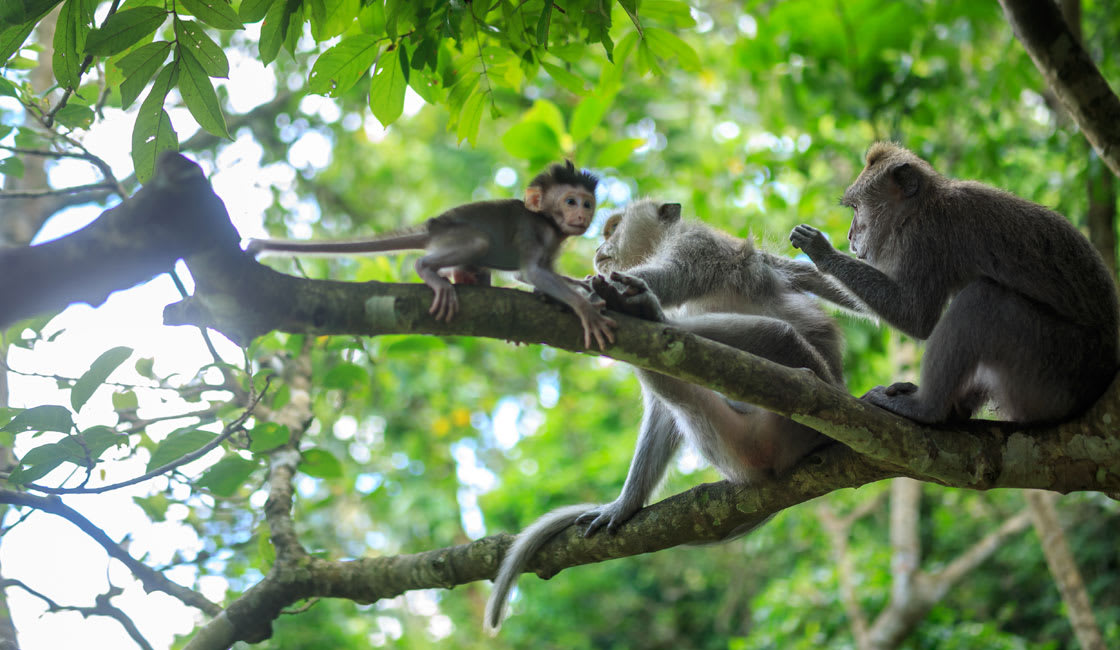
(1070,72)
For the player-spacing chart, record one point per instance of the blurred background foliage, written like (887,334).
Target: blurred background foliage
(440,441)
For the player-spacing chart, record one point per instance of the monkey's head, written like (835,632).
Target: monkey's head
(884,196)
(631,236)
(564,194)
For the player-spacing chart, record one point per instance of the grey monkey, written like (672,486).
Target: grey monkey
(1032,313)
(722,288)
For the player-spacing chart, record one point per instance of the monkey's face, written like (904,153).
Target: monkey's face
(630,237)
(571,207)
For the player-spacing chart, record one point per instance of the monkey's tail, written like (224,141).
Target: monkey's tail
(406,239)
(528,542)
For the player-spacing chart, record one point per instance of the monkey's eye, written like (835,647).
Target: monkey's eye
(587,204)
(570,201)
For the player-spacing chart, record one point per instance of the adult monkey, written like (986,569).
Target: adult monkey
(721,288)
(1032,318)
(508,235)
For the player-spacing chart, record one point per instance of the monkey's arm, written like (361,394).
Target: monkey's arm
(913,309)
(806,277)
(595,324)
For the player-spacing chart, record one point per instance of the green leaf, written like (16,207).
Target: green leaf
(619,152)
(75,116)
(98,372)
(11,166)
(98,439)
(329,18)
(41,460)
(178,444)
(216,13)
(667,45)
(253,10)
(8,89)
(12,39)
(227,475)
(152,134)
(346,375)
(13,12)
(193,39)
(155,506)
(74,20)
(566,79)
(414,345)
(320,464)
(470,118)
(268,436)
(198,94)
(340,67)
(123,29)
(277,22)
(42,418)
(125,401)
(532,140)
(386,89)
(543,24)
(547,112)
(138,67)
(588,115)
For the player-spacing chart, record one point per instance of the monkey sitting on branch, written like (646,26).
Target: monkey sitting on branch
(1032,313)
(506,235)
(724,289)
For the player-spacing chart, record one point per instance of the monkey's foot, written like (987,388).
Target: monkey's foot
(597,326)
(901,399)
(611,515)
(629,295)
(445,304)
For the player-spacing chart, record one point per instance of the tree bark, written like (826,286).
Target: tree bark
(1067,68)
(1044,515)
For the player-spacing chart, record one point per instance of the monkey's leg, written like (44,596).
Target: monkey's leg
(658,439)
(459,247)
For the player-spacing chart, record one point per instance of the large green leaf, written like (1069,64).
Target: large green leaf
(216,13)
(123,29)
(198,93)
(47,417)
(386,89)
(192,38)
(98,372)
(533,140)
(277,23)
(320,464)
(253,10)
(152,133)
(74,23)
(340,67)
(227,475)
(178,444)
(138,67)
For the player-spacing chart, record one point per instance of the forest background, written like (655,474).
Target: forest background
(335,118)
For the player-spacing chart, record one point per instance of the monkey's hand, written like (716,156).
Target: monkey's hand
(445,303)
(629,295)
(812,242)
(611,515)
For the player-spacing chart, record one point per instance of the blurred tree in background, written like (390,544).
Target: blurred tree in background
(348,117)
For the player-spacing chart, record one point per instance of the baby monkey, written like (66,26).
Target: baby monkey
(469,240)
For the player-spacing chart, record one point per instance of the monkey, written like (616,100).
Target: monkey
(1032,317)
(654,265)
(508,235)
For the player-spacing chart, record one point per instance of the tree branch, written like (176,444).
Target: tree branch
(1070,72)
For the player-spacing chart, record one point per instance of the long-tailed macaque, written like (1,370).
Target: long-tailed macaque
(721,288)
(1032,313)
(504,235)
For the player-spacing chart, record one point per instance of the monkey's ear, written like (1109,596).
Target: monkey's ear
(669,211)
(533,196)
(908,179)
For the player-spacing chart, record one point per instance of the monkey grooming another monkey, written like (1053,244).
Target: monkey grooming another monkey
(505,235)
(721,288)
(1032,313)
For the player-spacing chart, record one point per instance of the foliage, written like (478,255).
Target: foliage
(754,115)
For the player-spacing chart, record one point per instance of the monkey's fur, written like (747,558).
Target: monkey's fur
(721,288)
(469,240)
(1032,313)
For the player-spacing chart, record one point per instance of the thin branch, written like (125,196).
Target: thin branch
(149,578)
(38,194)
(102,608)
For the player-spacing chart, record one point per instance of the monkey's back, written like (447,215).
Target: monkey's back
(510,227)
